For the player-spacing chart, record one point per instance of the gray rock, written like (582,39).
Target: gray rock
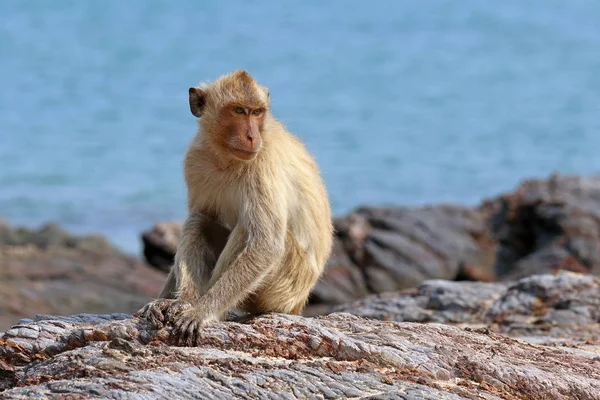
(565,305)
(433,301)
(547,225)
(160,244)
(334,356)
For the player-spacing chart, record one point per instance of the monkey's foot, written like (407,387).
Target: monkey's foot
(188,325)
(162,311)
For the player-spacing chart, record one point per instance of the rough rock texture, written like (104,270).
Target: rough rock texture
(160,244)
(565,305)
(543,226)
(399,248)
(333,356)
(49,271)
(547,225)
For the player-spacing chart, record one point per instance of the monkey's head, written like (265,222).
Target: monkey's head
(233,110)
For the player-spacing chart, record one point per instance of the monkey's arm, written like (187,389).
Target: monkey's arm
(254,247)
(202,240)
(241,268)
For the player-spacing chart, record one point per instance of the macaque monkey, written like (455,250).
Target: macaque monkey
(259,230)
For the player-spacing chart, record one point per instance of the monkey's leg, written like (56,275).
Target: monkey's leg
(168,290)
(202,241)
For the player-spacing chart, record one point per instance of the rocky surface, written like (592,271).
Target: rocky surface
(160,244)
(334,356)
(546,225)
(566,305)
(48,271)
(397,248)
(543,226)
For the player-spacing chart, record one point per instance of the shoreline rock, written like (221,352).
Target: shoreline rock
(565,305)
(47,270)
(336,355)
(543,226)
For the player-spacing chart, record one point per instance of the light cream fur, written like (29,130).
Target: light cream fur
(275,208)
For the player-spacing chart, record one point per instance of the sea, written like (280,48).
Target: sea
(401,102)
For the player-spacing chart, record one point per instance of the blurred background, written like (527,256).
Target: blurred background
(401,102)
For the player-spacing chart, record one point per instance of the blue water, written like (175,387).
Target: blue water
(402,102)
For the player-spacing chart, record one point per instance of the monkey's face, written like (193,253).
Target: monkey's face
(234,109)
(241,128)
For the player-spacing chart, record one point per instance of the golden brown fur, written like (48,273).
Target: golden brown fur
(259,228)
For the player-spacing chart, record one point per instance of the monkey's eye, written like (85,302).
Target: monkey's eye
(257,112)
(239,110)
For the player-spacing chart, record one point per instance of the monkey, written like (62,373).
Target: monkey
(258,231)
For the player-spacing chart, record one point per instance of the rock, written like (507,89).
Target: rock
(51,235)
(379,250)
(342,282)
(50,271)
(565,305)
(545,226)
(398,248)
(334,356)
(160,244)
(439,301)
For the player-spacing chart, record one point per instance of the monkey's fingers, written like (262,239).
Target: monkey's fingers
(180,330)
(187,331)
(141,312)
(155,316)
(193,331)
(175,309)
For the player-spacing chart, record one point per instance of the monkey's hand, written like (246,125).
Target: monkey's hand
(188,324)
(162,311)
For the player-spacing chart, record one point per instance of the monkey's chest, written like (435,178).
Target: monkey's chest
(225,205)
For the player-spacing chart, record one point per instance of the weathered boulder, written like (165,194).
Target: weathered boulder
(398,248)
(47,270)
(565,305)
(333,356)
(343,281)
(160,244)
(545,226)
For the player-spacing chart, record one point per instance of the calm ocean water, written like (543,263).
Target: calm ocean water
(401,102)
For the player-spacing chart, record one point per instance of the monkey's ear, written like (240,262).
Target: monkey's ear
(197,101)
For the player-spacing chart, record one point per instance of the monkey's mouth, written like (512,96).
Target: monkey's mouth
(244,154)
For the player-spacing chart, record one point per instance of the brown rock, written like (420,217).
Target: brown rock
(50,271)
(160,244)
(282,356)
(545,226)
(398,248)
